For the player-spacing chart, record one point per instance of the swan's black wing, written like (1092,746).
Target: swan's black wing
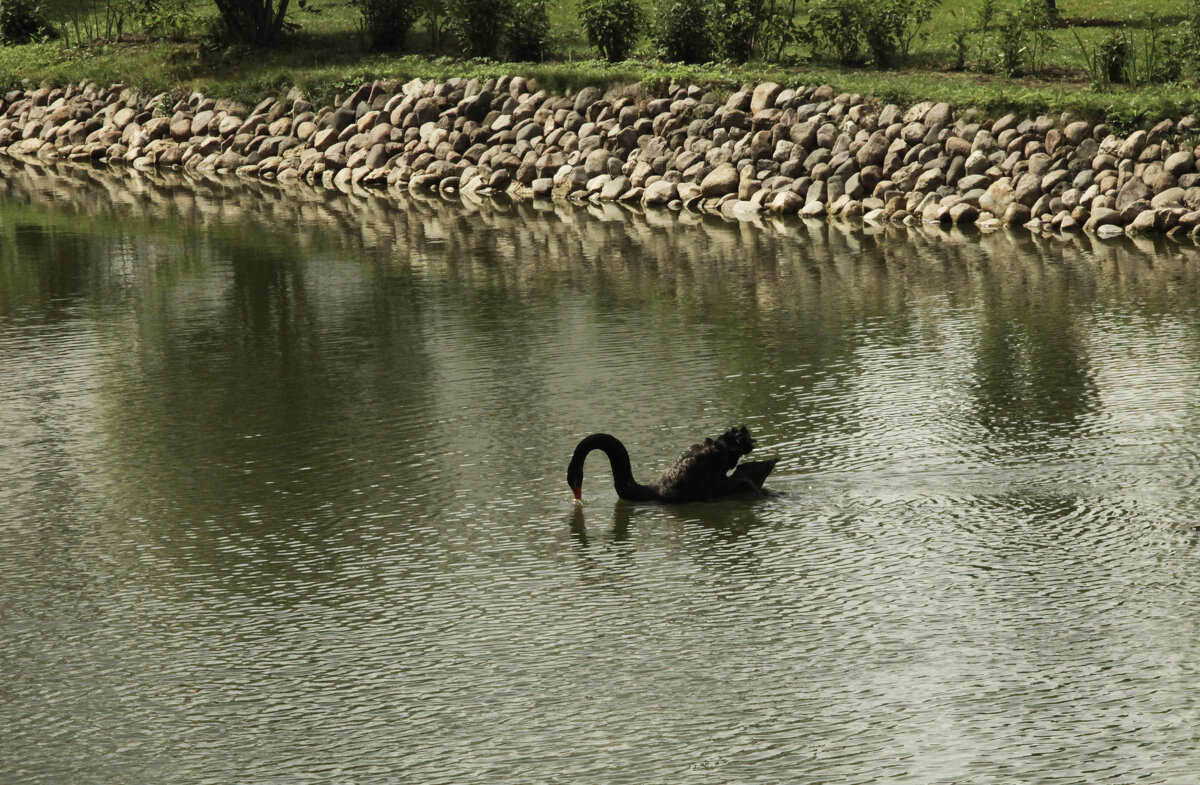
(703,470)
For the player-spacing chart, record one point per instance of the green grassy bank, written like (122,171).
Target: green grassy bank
(327,55)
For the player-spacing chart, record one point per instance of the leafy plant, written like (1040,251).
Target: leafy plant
(776,28)
(889,28)
(1011,42)
(434,15)
(528,29)
(387,21)
(479,24)
(1036,17)
(1190,33)
(681,31)
(1121,59)
(961,41)
(612,26)
(836,27)
(23,21)
(733,26)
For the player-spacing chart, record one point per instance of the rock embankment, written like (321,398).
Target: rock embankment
(764,148)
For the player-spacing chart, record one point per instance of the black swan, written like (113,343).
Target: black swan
(705,471)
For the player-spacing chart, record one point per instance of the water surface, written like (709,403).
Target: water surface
(284,495)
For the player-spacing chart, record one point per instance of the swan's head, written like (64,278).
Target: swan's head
(575,479)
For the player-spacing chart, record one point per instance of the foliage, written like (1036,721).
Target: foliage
(612,26)
(479,24)
(886,28)
(1189,30)
(733,29)
(434,15)
(891,26)
(962,47)
(1036,17)
(1123,58)
(23,21)
(681,31)
(835,27)
(775,28)
(1016,39)
(254,22)
(168,18)
(387,21)
(528,29)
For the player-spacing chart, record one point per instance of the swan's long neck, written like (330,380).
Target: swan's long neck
(618,458)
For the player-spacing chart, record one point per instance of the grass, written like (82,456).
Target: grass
(327,56)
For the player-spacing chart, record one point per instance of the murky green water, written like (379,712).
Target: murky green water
(283,496)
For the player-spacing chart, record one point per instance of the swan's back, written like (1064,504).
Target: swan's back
(703,471)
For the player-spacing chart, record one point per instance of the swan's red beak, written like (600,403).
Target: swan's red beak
(578,491)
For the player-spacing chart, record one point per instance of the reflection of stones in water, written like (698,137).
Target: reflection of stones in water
(695,259)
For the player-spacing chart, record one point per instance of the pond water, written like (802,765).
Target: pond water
(284,495)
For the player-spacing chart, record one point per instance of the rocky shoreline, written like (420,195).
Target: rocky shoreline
(764,148)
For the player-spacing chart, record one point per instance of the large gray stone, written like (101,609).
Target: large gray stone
(764,97)
(873,152)
(659,193)
(998,196)
(720,181)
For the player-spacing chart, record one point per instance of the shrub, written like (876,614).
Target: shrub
(528,29)
(434,15)
(479,24)
(23,21)
(889,28)
(733,29)
(836,27)
(681,31)
(387,21)
(611,25)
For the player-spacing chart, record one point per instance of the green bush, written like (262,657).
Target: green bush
(528,29)
(835,27)
(612,26)
(479,24)
(387,21)
(889,28)
(23,21)
(733,24)
(681,31)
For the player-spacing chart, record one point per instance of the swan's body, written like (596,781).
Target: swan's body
(705,471)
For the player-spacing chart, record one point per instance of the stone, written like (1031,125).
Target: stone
(659,193)
(596,162)
(1102,216)
(873,152)
(201,122)
(1131,192)
(939,114)
(586,98)
(1016,214)
(1180,163)
(998,196)
(964,213)
(614,188)
(1076,132)
(1171,197)
(764,97)
(1133,145)
(786,202)
(1028,189)
(722,180)
(1052,179)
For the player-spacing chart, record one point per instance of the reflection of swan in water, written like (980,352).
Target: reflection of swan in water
(622,515)
(706,471)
